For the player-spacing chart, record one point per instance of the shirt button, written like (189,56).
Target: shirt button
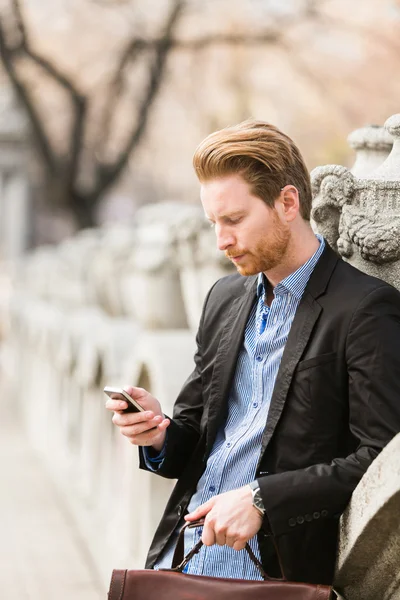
(228,445)
(255,404)
(259,358)
(212,488)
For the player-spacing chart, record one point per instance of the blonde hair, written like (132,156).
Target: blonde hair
(266,158)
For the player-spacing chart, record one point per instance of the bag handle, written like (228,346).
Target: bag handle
(180,561)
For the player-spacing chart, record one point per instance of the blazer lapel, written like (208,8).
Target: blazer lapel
(303,324)
(225,362)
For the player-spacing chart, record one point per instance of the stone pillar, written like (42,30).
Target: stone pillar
(368,564)
(360,216)
(151,284)
(14,188)
(200,264)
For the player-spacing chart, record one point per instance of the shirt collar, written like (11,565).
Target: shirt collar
(296,282)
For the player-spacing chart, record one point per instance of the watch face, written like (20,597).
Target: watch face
(257,500)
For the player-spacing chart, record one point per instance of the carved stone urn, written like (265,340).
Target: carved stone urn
(372,145)
(360,215)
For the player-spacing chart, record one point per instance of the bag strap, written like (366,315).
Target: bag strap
(117,584)
(180,561)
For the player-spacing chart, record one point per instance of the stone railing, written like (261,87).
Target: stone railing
(121,305)
(108,307)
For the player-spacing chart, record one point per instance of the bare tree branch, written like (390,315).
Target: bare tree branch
(128,56)
(78,100)
(44,63)
(43,142)
(157,50)
(107,173)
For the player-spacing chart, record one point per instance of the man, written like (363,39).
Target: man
(295,388)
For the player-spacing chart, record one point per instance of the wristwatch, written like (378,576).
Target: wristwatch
(257,500)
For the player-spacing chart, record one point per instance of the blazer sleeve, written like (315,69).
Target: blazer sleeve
(373,363)
(183,433)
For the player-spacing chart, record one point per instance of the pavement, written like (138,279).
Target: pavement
(42,555)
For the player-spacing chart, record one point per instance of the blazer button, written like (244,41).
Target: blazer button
(300,520)
(316,515)
(292,522)
(308,518)
(324,513)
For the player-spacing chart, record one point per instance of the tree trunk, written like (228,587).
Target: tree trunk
(83,209)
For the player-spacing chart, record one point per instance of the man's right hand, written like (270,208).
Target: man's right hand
(141,428)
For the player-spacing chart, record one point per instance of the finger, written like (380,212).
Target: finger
(201,511)
(148,438)
(208,535)
(234,541)
(116,405)
(220,538)
(142,427)
(164,424)
(238,545)
(135,392)
(125,419)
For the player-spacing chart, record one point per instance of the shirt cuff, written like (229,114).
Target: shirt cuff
(153,461)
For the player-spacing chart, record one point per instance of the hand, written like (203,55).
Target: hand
(141,428)
(230,519)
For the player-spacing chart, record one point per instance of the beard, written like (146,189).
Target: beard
(268,252)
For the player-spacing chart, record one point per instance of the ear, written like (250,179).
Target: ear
(289,202)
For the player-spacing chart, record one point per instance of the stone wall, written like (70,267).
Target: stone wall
(121,305)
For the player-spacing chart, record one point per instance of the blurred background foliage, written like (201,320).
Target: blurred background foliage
(118,93)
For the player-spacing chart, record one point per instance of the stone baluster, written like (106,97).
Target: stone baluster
(150,283)
(372,145)
(200,264)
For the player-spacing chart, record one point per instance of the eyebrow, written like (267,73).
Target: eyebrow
(238,213)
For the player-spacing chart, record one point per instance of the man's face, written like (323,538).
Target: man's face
(252,235)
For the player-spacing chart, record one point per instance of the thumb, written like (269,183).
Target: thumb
(135,392)
(201,511)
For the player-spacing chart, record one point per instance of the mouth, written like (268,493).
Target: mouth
(236,258)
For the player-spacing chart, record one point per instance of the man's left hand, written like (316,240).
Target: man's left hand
(230,519)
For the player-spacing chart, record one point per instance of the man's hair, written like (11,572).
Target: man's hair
(266,158)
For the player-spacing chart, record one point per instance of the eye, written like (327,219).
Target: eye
(234,221)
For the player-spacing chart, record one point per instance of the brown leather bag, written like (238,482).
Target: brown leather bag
(172,584)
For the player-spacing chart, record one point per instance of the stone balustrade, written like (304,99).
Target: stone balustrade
(110,306)
(121,304)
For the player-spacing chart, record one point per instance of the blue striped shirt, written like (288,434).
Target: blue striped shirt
(233,460)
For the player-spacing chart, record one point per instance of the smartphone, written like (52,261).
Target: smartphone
(133,406)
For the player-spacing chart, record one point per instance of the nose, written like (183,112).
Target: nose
(225,239)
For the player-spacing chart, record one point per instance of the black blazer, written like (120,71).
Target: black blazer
(335,405)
